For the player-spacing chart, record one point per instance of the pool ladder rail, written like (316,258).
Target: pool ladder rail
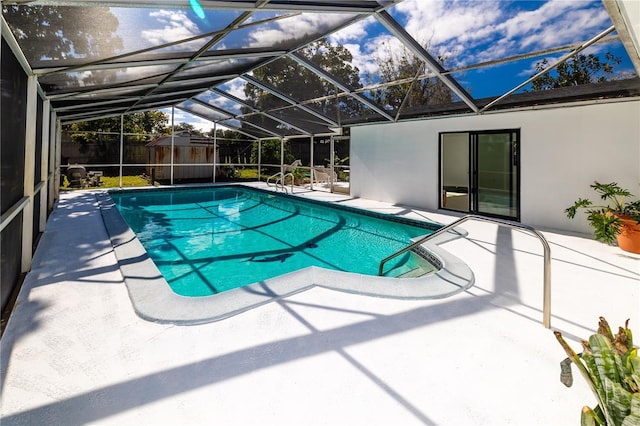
(280,179)
(546,313)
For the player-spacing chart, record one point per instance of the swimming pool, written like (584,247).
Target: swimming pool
(153,299)
(210,240)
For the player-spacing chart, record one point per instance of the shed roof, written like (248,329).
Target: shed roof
(181,140)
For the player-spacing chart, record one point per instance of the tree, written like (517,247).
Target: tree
(270,153)
(55,33)
(94,136)
(401,64)
(579,69)
(227,135)
(188,127)
(300,83)
(141,123)
(233,147)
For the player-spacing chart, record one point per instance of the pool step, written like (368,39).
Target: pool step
(417,265)
(416,272)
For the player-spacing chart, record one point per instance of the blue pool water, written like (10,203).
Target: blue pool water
(208,240)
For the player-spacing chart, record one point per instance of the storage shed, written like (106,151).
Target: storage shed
(193,157)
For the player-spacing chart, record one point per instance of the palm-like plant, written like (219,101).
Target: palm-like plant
(611,366)
(605,219)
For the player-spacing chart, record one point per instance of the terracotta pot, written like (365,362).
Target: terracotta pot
(629,238)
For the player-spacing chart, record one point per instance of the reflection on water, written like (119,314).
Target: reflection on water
(205,241)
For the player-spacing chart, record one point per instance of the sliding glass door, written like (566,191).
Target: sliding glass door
(455,176)
(480,172)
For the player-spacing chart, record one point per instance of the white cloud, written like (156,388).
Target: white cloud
(178,115)
(465,31)
(367,52)
(293,28)
(198,123)
(353,32)
(362,60)
(438,22)
(555,23)
(221,102)
(235,87)
(174,26)
(476,31)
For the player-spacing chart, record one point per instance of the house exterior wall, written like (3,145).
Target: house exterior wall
(563,150)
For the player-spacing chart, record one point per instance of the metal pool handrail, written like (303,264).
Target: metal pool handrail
(277,175)
(280,181)
(546,312)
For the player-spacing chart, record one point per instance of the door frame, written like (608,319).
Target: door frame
(472,205)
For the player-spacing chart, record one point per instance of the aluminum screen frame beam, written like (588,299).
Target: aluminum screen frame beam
(302,61)
(431,63)
(215,40)
(256,111)
(337,6)
(618,12)
(230,117)
(563,59)
(288,99)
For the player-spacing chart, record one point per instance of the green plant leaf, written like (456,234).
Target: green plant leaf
(590,417)
(589,373)
(611,366)
(605,227)
(633,419)
(632,364)
(634,361)
(610,191)
(580,204)
(633,210)
(597,382)
(604,357)
(618,402)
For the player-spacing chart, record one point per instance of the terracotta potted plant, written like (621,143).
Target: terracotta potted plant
(616,220)
(298,175)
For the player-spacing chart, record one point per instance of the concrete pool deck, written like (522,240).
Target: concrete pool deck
(74,351)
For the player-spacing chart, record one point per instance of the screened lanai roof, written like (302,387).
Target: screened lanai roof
(287,68)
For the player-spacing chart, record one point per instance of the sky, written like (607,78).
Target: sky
(465,32)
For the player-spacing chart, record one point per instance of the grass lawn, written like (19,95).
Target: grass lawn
(249,174)
(113,182)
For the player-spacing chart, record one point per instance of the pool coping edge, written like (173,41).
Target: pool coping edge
(153,299)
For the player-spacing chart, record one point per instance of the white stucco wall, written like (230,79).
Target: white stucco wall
(563,150)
